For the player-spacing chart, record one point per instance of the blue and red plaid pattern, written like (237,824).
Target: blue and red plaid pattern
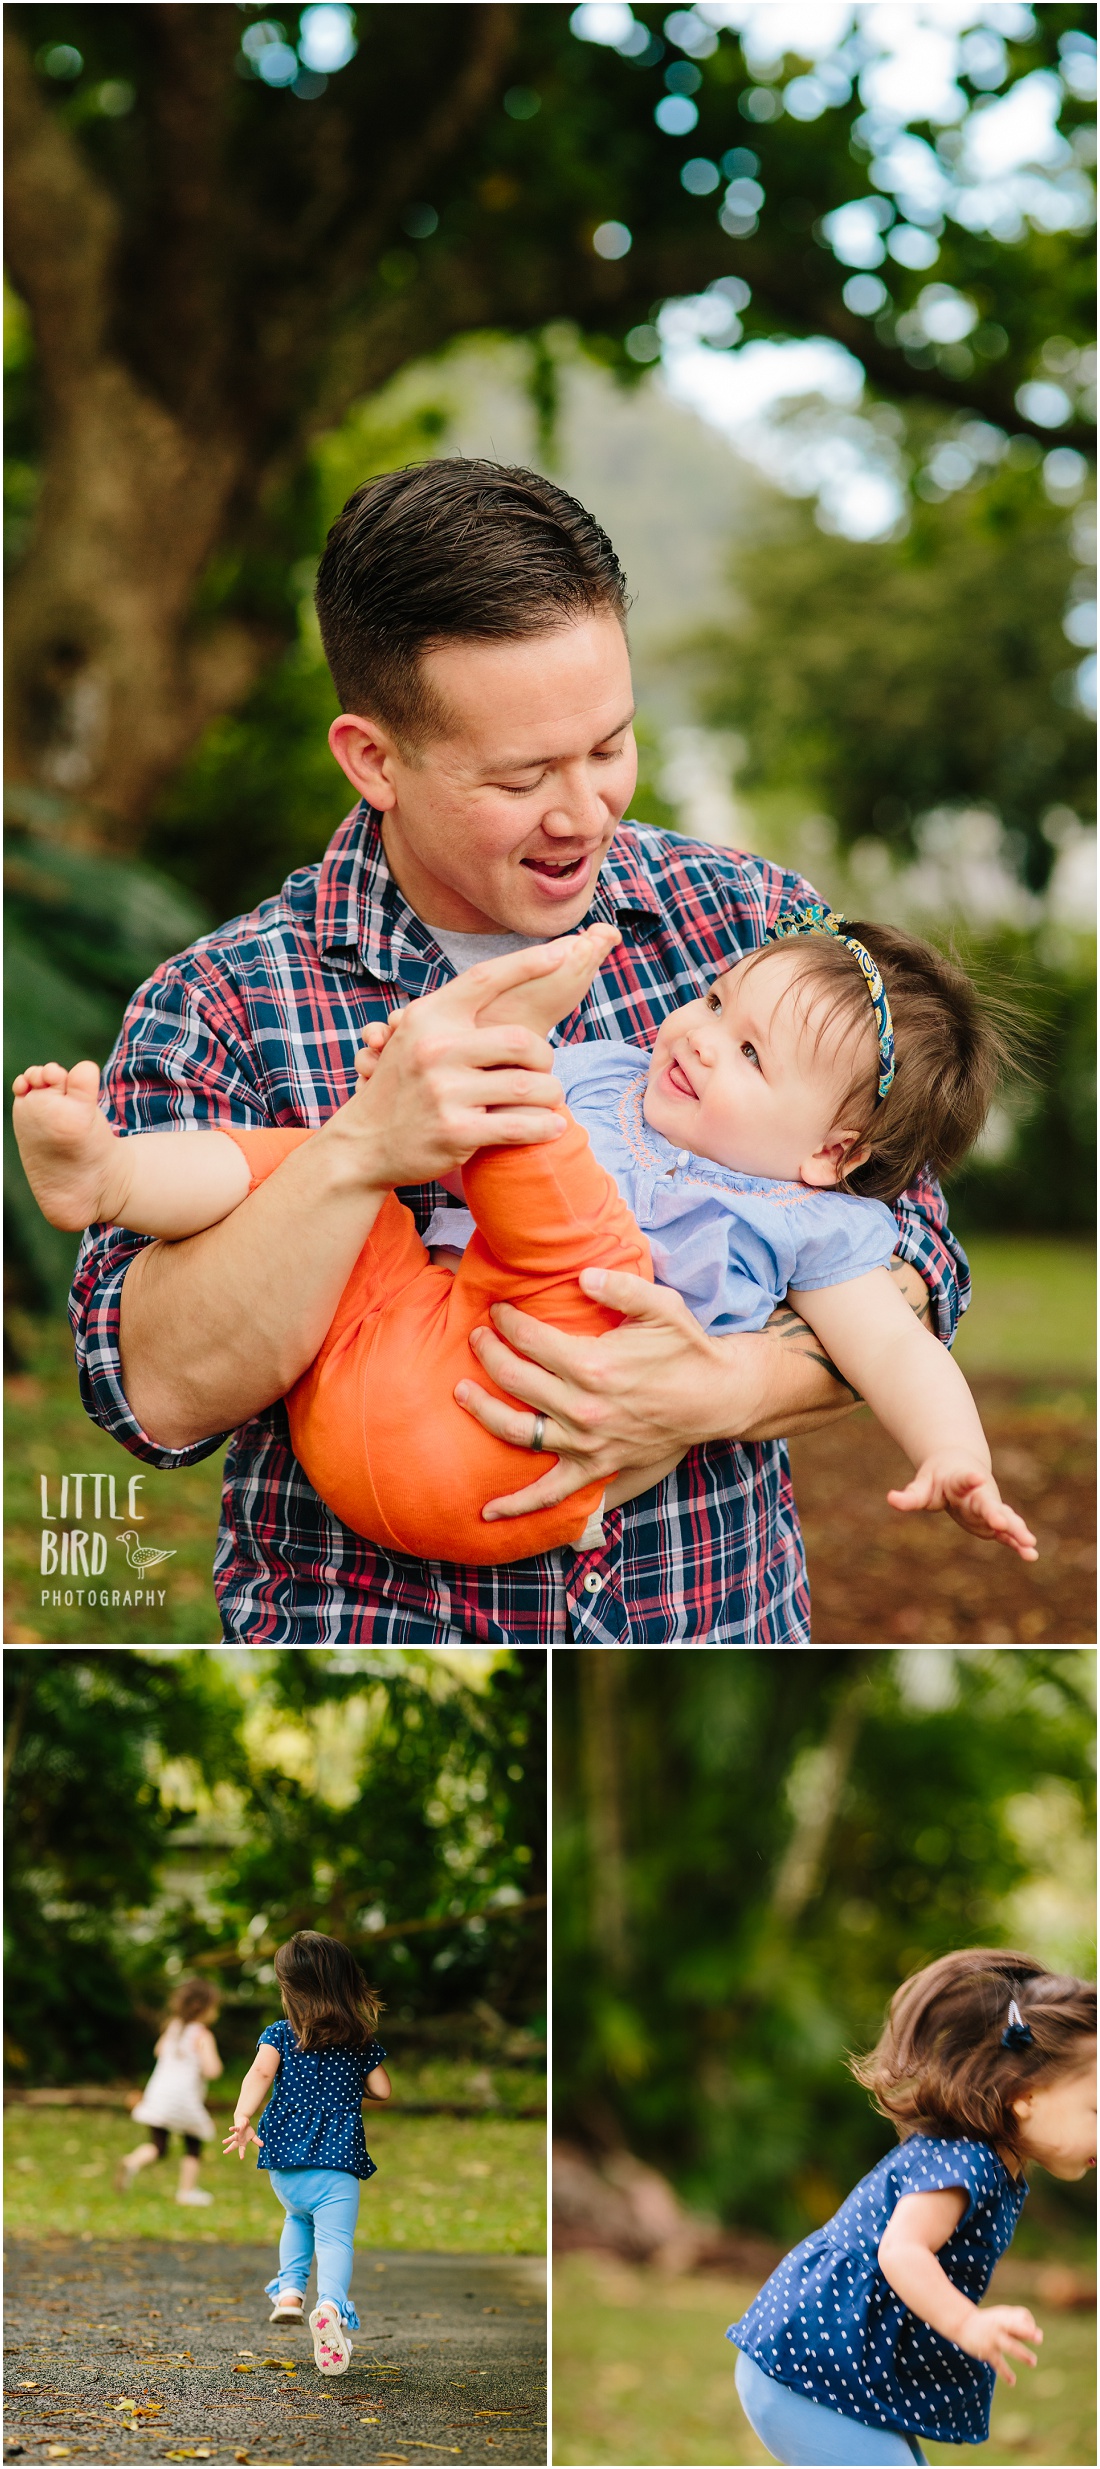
(259,1023)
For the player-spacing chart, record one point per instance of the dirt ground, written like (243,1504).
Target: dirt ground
(877,1576)
(145,2353)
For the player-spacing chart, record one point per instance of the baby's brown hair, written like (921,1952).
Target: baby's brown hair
(951,1048)
(941,2066)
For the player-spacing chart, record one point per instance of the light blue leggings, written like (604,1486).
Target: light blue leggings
(798,2430)
(322,2207)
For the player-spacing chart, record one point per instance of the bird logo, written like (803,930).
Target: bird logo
(140,1556)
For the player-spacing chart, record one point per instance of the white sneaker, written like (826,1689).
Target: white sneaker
(283,2312)
(193,2194)
(331,2346)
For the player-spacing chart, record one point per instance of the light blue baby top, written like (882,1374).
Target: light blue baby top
(730,1244)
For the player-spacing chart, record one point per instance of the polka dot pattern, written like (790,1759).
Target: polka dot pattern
(828,2324)
(313,2119)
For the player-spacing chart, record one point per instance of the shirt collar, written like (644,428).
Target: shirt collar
(363,920)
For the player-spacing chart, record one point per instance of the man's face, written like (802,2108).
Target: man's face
(501,824)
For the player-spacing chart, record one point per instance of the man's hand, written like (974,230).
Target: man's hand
(652,1388)
(433,1084)
(635,1395)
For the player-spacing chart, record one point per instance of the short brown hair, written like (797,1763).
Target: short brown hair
(951,1048)
(327,2001)
(192,1999)
(456,550)
(940,2067)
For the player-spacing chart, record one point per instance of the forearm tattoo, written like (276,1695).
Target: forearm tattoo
(794,1333)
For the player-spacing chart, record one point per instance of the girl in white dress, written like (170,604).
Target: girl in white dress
(173,2100)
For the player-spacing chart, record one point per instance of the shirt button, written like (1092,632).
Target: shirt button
(683,1157)
(592,1583)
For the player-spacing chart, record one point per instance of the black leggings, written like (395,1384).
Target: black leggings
(191,2143)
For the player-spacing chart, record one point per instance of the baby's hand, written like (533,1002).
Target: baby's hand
(240,2137)
(966,1489)
(997,2333)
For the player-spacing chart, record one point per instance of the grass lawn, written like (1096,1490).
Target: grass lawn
(1032,1320)
(445,2185)
(642,2373)
(1034,1308)
(48,1433)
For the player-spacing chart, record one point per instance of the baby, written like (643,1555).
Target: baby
(748,1158)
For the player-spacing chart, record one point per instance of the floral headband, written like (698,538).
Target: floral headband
(816,919)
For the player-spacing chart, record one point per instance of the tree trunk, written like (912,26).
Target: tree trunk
(602,1673)
(107,688)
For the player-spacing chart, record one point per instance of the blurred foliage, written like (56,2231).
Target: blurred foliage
(160,1804)
(752,1850)
(886,678)
(262,794)
(82,930)
(1043,1179)
(85,1829)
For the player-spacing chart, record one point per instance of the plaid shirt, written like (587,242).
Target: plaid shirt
(259,1024)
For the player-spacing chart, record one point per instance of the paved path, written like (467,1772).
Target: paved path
(449,2365)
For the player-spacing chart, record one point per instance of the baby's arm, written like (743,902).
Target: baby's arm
(81,1172)
(917,2228)
(920,1398)
(257,2084)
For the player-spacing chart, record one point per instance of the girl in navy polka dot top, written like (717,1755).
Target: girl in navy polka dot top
(319,2065)
(870,2334)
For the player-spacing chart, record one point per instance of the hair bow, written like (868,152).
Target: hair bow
(815,918)
(1017,2033)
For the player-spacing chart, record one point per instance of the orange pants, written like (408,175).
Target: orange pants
(374,1420)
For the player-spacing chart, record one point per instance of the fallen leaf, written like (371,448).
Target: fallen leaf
(494,2413)
(27,2387)
(58,2451)
(490,2310)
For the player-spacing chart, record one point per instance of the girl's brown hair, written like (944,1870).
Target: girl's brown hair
(327,2001)
(191,2000)
(941,2067)
(952,1047)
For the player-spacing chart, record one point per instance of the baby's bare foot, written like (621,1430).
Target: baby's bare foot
(545,1000)
(71,1157)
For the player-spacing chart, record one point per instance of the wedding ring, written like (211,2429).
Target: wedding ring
(537,1441)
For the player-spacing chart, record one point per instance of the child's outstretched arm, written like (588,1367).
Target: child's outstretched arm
(917,2228)
(920,1398)
(81,1172)
(254,2090)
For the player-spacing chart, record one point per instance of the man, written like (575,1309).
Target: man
(473,619)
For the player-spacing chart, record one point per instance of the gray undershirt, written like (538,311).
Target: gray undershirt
(464,951)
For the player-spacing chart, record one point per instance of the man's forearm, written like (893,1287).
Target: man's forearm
(215,1328)
(798,1388)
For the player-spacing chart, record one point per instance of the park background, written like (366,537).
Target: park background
(798,300)
(179,1812)
(751,1850)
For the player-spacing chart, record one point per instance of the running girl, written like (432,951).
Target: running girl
(317,2066)
(172,2102)
(870,2334)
